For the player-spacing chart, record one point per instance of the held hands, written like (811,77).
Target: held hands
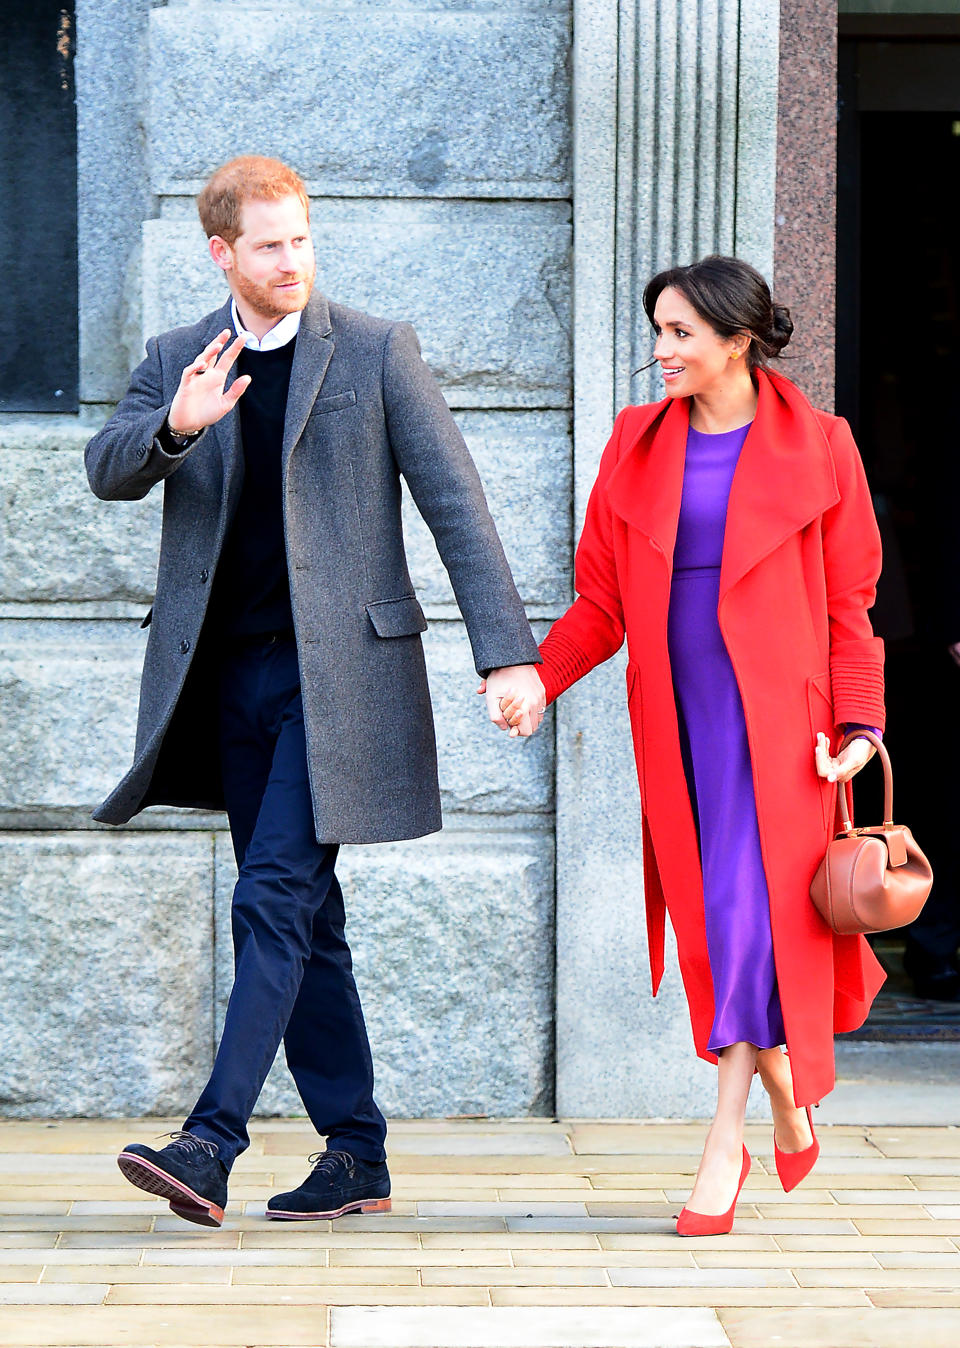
(847,764)
(200,399)
(516,700)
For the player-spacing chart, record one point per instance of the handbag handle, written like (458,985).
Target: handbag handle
(845,795)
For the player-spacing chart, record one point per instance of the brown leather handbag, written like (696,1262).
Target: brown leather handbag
(874,878)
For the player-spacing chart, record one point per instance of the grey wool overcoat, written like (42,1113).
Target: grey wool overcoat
(362,411)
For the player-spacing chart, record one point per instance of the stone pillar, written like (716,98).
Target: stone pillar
(806,211)
(674,157)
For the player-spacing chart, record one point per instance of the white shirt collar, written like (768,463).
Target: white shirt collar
(278,336)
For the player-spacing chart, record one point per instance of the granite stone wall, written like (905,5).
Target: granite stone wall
(434,138)
(506,174)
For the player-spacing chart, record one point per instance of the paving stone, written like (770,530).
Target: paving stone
(875,1243)
(679,1296)
(34,1294)
(512,1240)
(486,284)
(134,1273)
(486,1144)
(734,1241)
(67,1255)
(214,1326)
(513,1277)
(701,1277)
(437,125)
(387,1275)
(515,1328)
(865,1329)
(945,1278)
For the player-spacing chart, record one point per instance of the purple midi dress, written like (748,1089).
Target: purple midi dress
(716,755)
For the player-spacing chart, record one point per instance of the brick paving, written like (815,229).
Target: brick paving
(527,1233)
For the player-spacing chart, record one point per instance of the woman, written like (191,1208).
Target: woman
(731,538)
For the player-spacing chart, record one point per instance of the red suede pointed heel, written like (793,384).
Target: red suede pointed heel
(713,1224)
(793,1166)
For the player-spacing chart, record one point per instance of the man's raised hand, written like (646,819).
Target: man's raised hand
(200,399)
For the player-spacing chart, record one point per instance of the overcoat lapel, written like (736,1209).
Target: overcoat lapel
(225,433)
(310,361)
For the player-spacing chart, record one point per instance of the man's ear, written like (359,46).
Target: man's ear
(221,252)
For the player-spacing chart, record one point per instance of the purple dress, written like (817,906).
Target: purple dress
(716,755)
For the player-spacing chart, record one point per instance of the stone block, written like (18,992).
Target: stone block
(482,770)
(113,190)
(384,101)
(59,543)
(68,703)
(453,943)
(105,951)
(524,460)
(485,283)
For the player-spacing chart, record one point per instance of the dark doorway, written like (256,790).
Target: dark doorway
(898,289)
(38,208)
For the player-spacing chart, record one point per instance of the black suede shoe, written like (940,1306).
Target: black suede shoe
(186,1172)
(337,1184)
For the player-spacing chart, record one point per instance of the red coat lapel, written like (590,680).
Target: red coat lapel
(784,478)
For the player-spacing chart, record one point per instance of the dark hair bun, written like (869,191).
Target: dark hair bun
(781,330)
(733,298)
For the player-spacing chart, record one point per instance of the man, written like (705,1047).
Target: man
(284,677)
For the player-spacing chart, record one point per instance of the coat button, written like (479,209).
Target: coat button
(142,452)
(184,646)
(204,575)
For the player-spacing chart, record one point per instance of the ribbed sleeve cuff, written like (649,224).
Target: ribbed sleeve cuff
(858,694)
(563,664)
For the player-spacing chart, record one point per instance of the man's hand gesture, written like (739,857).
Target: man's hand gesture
(200,399)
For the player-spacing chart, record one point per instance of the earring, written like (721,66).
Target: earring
(735,355)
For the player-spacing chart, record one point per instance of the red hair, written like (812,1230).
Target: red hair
(252,177)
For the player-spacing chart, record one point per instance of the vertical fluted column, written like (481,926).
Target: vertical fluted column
(675,108)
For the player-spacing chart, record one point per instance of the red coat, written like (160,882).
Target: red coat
(801,557)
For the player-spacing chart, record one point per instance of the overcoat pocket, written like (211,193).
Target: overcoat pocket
(401,617)
(334,402)
(635,707)
(820,706)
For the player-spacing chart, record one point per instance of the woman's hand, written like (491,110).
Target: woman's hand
(847,763)
(516,700)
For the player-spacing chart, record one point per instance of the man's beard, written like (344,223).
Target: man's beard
(268,301)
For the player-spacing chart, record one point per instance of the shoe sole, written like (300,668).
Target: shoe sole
(363,1205)
(183,1201)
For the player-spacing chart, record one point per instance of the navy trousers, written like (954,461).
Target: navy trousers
(293,974)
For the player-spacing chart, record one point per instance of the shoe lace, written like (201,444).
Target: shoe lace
(329,1162)
(190,1144)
